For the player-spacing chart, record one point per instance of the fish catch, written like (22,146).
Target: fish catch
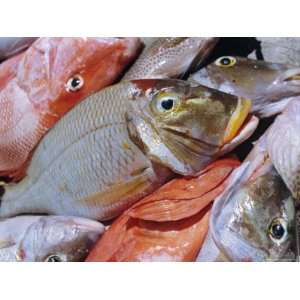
(270,86)
(49,79)
(47,238)
(171,57)
(122,143)
(253,219)
(168,225)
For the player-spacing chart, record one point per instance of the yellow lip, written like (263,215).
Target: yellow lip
(237,119)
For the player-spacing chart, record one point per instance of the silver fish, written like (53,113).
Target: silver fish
(170,57)
(122,143)
(253,220)
(47,238)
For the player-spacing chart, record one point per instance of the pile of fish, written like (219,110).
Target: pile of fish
(154,149)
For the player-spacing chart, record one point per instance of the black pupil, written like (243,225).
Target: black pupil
(54,258)
(225,61)
(277,231)
(75,82)
(167,104)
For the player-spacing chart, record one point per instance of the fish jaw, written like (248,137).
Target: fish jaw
(237,119)
(242,135)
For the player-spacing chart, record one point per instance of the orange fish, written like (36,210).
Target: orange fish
(43,83)
(168,225)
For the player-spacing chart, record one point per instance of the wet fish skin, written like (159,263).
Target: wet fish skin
(10,46)
(39,90)
(283,142)
(120,144)
(169,224)
(47,238)
(243,217)
(270,86)
(170,57)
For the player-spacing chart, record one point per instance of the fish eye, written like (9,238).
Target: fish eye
(278,230)
(166,102)
(53,258)
(75,83)
(225,61)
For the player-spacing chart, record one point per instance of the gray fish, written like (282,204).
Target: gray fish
(171,57)
(253,220)
(47,238)
(125,141)
(270,86)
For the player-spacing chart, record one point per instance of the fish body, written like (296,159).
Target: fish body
(10,46)
(49,79)
(253,219)
(170,57)
(270,86)
(169,224)
(122,143)
(283,143)
(47,238)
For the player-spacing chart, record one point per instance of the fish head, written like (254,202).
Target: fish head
(183,126)
(58,239)
(256,223)
(254,79)
(59,72)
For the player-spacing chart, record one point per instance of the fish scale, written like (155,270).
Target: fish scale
(51,187)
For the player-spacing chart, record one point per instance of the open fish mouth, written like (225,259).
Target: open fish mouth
(246,129)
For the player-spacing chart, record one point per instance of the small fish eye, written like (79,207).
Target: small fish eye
(278,230)
(225,61)
(53,258)
(75,83)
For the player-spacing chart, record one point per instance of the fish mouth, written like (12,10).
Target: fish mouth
(237,119)
(245,131)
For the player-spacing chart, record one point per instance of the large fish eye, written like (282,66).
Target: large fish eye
(53,258)
(278,230)
(75,83)
(225,61)
(166,102)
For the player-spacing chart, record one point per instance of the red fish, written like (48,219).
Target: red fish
(38,87)
(168,225)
